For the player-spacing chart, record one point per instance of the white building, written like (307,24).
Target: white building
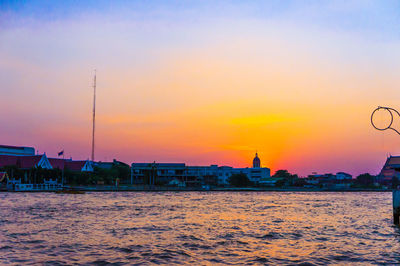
(196,175)
(255,173)
(343,176)
(16,150)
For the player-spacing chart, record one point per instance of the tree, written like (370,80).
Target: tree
(106,175)
(365,180)
(287,178)
(280,183)
(239,180)
(282,173)
(300,182)
(123,172)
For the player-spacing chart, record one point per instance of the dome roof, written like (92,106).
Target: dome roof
(256,162)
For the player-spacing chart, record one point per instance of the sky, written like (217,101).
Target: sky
(203,82)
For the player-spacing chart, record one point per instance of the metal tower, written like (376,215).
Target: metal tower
(94,113)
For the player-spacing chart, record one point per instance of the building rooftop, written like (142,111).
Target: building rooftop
(159,164)
(14,147)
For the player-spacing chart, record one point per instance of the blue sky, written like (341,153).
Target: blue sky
(378,16)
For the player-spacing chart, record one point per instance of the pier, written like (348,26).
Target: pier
(396,206)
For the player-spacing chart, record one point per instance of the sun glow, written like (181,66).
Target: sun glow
(209,90)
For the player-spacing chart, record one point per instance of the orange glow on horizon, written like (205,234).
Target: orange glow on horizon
(207,93)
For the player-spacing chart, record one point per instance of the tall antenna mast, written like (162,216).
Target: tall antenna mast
(94,113)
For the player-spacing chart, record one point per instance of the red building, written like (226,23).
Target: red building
(36,161)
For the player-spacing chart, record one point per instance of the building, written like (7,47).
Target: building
(157,173)
(27,171)
(330,181)
(110,165)
(25,162)
(3,176)
(270,181)
(16,150)
(255,173)
(390,170)
(75,166)
(343,176)
(35,161)
(3,181)
(202,175)
(256,162)
(164,173)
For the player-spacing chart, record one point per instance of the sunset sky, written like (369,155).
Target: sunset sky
(203,82)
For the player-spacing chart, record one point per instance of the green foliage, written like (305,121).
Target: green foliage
(280,182)
(123,172)
(107,176)
(80,178)
(287,178)
(365,180)
(282,173)
(100,175)
(239,180)
(300,182)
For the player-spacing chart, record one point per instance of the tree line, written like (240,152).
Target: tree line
(286,179)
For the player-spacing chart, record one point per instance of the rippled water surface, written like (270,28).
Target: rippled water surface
(198,228)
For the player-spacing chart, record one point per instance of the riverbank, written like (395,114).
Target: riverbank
(220,189)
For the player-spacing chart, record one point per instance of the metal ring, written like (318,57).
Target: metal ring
(391,118)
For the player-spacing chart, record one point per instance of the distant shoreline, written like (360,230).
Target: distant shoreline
(175,189)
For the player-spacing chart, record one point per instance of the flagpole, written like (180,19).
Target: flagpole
(62,172)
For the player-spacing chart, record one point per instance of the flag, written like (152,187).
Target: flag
(61,153)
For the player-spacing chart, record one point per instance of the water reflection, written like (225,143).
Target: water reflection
(196,227)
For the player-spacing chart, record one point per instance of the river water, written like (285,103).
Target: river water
(198,228)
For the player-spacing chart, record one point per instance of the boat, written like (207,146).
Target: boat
(70,192)
(65,190)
